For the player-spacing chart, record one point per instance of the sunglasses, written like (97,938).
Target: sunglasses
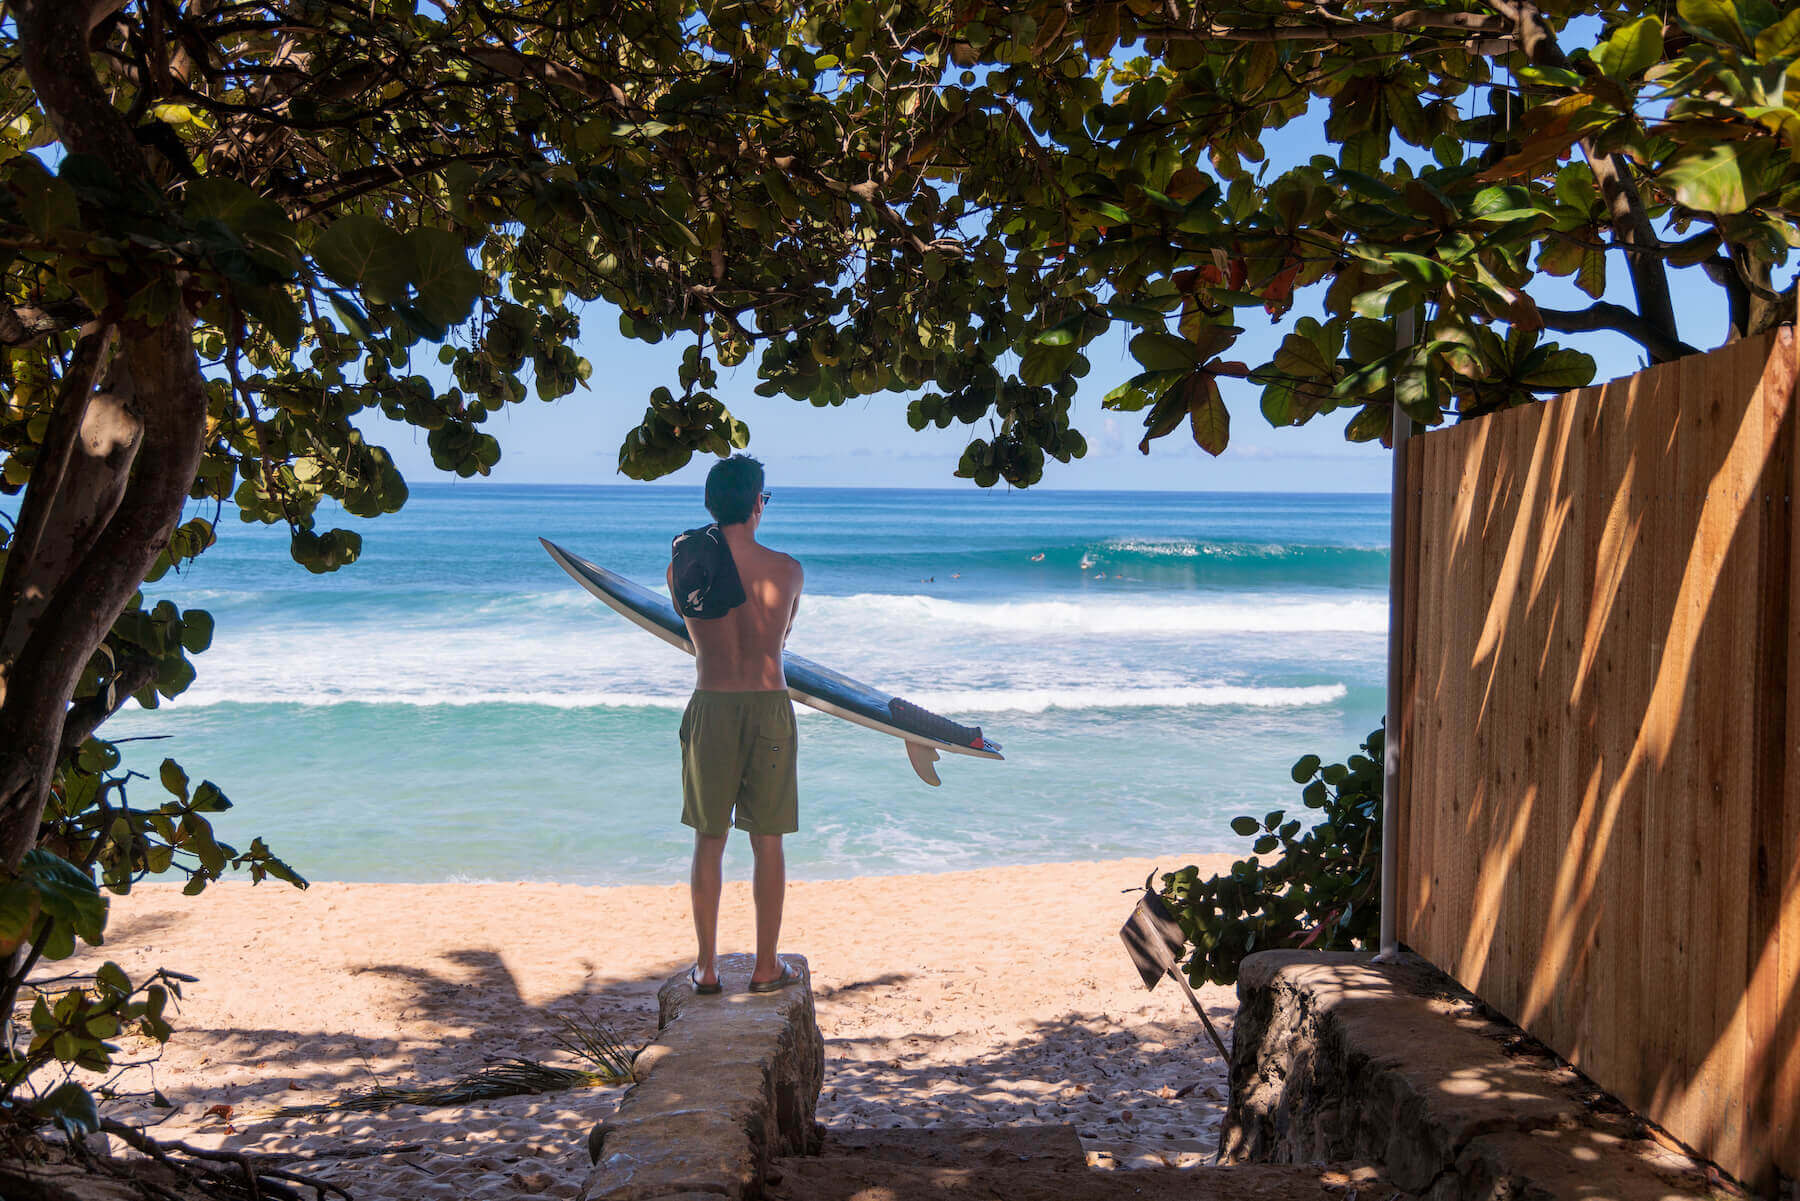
(767,497)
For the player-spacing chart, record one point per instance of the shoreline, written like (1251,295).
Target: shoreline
(1222,860)
(995,996)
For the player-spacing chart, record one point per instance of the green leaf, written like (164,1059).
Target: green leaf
(1164,352)
(1369,424)
(18,910)
(69,1106)
(1207,415)
(1367,186)
(97,756)
(363,251)
(68,896)
(648,129)
(173,676)
(1245,826)
(1129,396)
(196,631)
(1631,48)
(447,285)
(1505,203)
(174,779)
(111,976)
(1064,332)
(356,322)
(1712,177)
(1561,77)
(255,220)
(1107,209)
(1304,767)
(1561,370)
(1277,405)
(1415,388)
(1389,298)
(208,799)
(1780,40)
(1427,273)
(1716,18)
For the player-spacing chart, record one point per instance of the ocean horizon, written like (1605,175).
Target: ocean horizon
(453,707)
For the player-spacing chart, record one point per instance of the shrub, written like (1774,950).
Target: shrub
(1323,889)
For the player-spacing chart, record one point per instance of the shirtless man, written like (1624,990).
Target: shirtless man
(738,598)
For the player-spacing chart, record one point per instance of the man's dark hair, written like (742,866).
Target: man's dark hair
(732,487)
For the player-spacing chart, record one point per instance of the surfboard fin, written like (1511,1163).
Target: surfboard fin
(922,757)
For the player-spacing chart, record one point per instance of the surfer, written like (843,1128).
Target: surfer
(738,598)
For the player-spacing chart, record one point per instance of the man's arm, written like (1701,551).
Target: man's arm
(794,610)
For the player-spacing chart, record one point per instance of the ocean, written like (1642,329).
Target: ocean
(454,707)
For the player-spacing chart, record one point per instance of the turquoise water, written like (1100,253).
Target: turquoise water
(454,707)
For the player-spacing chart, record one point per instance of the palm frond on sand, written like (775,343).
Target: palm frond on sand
(593,1041)
(585,1038)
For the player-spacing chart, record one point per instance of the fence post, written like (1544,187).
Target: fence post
(1405,333)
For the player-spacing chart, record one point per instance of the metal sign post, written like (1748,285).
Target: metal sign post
(1405,334)
(1154,940)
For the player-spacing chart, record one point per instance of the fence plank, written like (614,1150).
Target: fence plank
(1600,819)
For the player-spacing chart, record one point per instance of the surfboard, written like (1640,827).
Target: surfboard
(812,684)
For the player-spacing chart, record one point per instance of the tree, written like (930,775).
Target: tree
(1476,150)
(231,229)
(235,226)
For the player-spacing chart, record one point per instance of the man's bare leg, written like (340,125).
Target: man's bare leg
(705,883)
(769,888)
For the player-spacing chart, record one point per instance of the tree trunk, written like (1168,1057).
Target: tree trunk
(79,577)
(119,460)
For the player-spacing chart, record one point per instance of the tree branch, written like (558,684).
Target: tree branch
(1624,204)
(90,713)
(28,324)
(515,64)
(1616,317)
(62,434)
(53,40)
(368,179)
(1481,35)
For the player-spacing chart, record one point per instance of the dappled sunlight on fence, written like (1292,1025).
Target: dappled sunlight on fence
(1600,816)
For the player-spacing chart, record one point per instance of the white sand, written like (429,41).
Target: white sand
(972,998)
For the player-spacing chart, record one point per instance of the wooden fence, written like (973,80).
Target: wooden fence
(1600,786)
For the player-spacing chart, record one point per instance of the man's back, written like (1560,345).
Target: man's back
(741,651)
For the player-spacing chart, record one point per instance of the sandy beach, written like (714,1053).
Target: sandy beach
(971,998)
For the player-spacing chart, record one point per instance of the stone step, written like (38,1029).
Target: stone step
(961,1146)
(1037,1163)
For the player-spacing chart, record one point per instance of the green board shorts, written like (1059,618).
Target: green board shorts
(737,754)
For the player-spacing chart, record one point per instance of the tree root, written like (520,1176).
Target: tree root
(228,1175)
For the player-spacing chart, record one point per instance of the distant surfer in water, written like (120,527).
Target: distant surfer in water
(738,599)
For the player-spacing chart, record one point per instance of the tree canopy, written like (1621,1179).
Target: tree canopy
(232,229)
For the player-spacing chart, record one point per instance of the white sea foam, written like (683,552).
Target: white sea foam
(952,655)
(909,614)
(1039,700)
(1002,700)
(1155,548)
(1246,614)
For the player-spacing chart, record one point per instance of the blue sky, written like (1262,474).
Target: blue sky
(866,442)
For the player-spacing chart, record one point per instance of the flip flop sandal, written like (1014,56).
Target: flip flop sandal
(787,977)
(703,990)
